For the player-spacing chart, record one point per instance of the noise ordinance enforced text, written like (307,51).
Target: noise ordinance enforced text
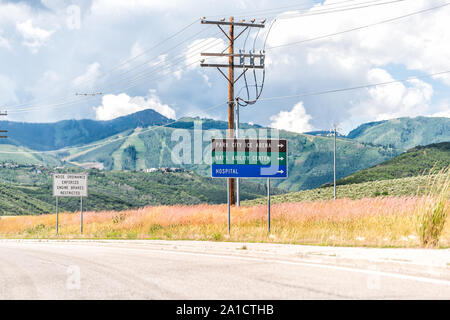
(70,185)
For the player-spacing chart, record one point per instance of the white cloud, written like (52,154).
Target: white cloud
(206,79)
(111,7)
(4,42)
(444,114)
(114,106)
(88,78)
(34,37)
(7,90)
(442,109)
(136,50)
(394,100)
(296,120)
(138,58)
(416,42)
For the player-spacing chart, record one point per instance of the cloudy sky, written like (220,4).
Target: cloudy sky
(133,52)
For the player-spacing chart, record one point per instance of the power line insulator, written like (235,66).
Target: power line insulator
(252,58)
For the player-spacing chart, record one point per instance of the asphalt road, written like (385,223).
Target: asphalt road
(206,270)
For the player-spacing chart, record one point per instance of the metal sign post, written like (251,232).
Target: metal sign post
(229,207)
(57,215)
(238,196)
(81,213)
(268,204)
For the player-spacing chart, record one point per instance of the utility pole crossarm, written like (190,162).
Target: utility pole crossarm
(247,55)
(239,66)
(3,131)
(232,23)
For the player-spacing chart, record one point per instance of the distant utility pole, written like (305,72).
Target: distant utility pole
(231,65)
(3,131)
(89,94)
(333,132)
(334,163)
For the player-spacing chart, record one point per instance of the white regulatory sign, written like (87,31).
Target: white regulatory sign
(70,185)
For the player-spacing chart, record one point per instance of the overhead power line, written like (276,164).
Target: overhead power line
(130,82)
(142,77)
(124,62)
(299,6)
(155,46)
(255,39)
(151,60)
(3,132)
(163,65)
(362,5)
(365,86)
(360,27)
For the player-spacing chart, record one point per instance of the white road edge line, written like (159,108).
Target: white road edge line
(316,265)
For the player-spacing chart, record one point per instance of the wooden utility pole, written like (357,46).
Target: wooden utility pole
(231,182)
(231,81)
(3,131)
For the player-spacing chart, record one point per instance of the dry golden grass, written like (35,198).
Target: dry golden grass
(433,211)
(364,222)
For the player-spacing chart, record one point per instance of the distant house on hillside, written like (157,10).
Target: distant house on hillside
(164,169)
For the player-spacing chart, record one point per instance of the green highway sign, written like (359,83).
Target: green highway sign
(249,158)
(242,157)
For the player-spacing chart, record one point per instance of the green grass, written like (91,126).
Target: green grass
(394,188)
(433,211)
(417,161)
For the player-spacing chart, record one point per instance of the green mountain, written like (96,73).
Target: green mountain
(414,162)
(28,190)
(403,133)
(53,136)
